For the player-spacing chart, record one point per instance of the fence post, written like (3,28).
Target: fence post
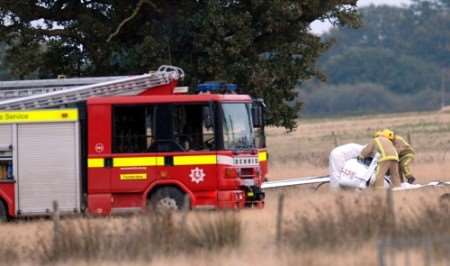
(408,136)
(407,258)
(184,211)
(56,223)
(393,248)
(389,229)
(381,249)
(390,211)
(279,227)
(335,139)
(428,251)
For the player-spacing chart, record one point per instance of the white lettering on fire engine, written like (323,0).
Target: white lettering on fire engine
(197,175)
(246,161)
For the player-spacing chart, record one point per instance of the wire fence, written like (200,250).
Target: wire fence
(394,248)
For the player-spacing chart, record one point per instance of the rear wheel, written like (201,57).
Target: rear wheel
(168,199)
(3,212)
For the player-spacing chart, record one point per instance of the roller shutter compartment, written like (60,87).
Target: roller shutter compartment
(5,135)
(48,167)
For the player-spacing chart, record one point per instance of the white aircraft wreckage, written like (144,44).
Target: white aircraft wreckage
(346,172)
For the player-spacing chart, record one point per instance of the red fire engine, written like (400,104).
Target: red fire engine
(131,143)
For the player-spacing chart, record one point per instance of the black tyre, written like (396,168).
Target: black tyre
(168,199)
(3,212)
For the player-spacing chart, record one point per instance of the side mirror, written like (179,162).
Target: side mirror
(258,113)
(208,118)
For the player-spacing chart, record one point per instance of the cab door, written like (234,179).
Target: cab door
(185,137)
(258,109)
(133,166)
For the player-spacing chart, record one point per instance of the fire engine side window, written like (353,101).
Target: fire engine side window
(193,127)
(182,127)
(163,134)
(132,128)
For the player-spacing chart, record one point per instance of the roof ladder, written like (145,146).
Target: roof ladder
(123,86)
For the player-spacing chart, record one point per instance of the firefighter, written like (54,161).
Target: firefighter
(406,155)
(382,143)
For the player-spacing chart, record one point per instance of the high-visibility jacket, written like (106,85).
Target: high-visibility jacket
(383,146)
(403,148)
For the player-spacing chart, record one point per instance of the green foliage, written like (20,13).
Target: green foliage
(404,50)
(3,70)
(397,61)
(264,46)
(363,98)
(398,72)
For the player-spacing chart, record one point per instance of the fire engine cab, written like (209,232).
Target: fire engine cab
(131,143)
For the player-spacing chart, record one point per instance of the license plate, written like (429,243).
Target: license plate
(247,182)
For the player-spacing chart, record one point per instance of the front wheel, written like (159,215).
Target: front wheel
(3,212)
(168,199)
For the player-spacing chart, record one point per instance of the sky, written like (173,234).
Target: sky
(320,27)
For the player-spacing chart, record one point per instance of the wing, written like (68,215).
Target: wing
(326,179)
(295,182)
(418,186)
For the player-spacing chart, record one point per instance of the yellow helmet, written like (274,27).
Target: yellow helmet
(377,133)
(389,134)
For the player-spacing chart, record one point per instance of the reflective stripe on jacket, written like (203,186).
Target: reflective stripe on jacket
(403,148)
(382,145)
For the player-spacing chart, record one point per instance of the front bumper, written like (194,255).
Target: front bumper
(231,199)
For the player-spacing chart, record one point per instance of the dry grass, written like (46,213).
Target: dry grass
(320,227)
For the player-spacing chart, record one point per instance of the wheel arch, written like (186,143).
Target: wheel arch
(8,203)
(2,201)
(169,183)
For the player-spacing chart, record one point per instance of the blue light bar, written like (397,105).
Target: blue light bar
(208,86)
(216,86)
(231,86)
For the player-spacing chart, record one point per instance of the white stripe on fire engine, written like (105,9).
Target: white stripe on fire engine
(238,161)
(225,160)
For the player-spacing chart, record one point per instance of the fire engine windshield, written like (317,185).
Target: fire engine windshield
(237,126)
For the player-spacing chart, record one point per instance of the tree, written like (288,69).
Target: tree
(264,46)
(402,49)
(4,75)
(363,98)
(398,72)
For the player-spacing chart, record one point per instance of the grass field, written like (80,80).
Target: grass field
(305,151)
(319,227)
